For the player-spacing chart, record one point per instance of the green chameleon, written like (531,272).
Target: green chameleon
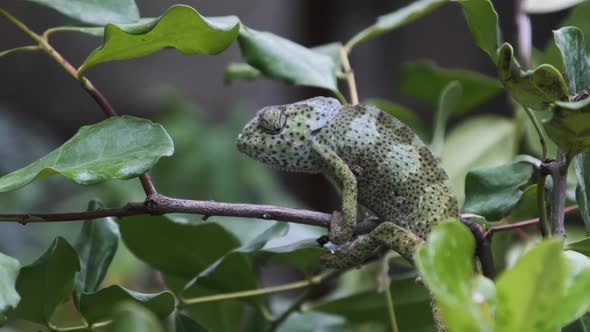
(371,157)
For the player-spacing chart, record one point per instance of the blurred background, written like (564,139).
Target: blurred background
(41,107)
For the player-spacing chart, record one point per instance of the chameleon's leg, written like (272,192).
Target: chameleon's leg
(342,224)
(387,234)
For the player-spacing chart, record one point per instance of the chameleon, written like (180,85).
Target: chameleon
(374,161)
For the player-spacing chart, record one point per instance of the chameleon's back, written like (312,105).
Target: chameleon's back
(398,178)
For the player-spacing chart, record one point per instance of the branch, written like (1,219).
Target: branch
(349,75)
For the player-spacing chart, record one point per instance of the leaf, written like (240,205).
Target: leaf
(445,263)
(47,282)
(394,20)
(547,6)
(568,126)
(117,148)
(241,71)
(482,141)
(96,247)
(582,246)
(303,255)
(186,324)
(405,115)
(99,306)
(582,168)
(482,20)
(181,27)
(534,88)
(95,12)
(575,300)
(570,41)
(493,192)
(281,59)
(447,104)
(425,81)
(411,303)
(130,317)
(194,247)
(521,305)
(9,268)
(219,315)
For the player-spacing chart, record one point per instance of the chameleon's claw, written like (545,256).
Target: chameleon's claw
(323,240)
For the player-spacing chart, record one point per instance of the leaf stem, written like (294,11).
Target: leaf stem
(390,308)
(30,48)
(539,130)
(100,99)
(349,75)
(256,292)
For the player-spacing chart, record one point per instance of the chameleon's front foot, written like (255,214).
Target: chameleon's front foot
(340,231)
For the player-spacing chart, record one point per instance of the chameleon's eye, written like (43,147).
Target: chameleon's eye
(273,120)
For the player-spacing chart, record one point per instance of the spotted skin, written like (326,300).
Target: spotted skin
(372,158)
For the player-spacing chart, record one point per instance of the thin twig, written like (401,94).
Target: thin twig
(349,75)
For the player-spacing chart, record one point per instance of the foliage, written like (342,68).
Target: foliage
(208,271)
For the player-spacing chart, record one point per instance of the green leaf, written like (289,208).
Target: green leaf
(527,292)
(526,208)
(493,192)
(9,268)
(394,20)
(117,148)
(405,115)
(568,126)
(47,282)
(303,255)
(425,81)
(570,41)
(582,168)
(97,12)
(99,306)
(452,281)
(186,324)
(96,247)
(575,300)
(194,247)
(547,6)
(582,246)
(281,59)
(241,71)
(181,27)
(482,20)
(447,104)
(411,303)
(131,317)
(219,315)
(534,88)
(482,141)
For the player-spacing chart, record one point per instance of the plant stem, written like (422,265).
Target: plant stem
(541,206)
(349,75)
(558,170)
(390,308)
(100,99)
(30,48)
(539,131)
(256,292)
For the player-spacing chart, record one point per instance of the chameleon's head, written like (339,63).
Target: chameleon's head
(281,136)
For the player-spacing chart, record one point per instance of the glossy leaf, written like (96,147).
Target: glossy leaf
(394,20)
(281,59)
(194,247)
(534,88)
(9,268)
(405,115)
(482,141)
(445,263)
(582,168)
(97,12)
(482,21)
(570,41)
(425,81)
(186,324)
(96,247)
(547,6)
(181,27)
(130,317)
(521,306)
(582,246)
(99,306)
(117,148)
(493,192)
(47,282)
(447,104)
(568,127)
(575,300)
